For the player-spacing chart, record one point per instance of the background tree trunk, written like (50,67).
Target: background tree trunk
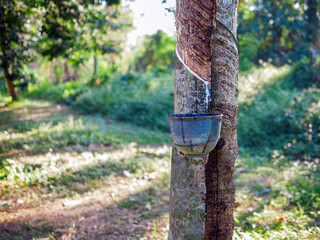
(67,74)
(9,79)
(312,29)
(56,79)
(95,67)
(5,65)
(203,189)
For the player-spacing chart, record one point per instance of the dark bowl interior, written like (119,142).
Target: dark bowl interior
(194,116)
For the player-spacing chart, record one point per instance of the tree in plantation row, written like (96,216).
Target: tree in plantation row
(54,28)
(15,40)
(96,32)
(202,188)
(106,34)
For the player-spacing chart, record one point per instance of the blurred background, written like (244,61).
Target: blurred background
(85,88)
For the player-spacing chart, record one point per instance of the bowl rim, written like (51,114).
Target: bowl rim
(194,116)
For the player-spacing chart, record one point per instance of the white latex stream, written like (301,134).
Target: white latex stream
(207,91)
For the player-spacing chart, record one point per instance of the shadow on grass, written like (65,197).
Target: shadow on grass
(69,148)
(65,134)
(10,116)
(128,218)
(68,179)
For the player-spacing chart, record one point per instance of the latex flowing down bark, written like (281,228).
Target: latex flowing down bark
(202,189)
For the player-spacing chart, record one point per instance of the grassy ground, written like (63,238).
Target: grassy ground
(81,177)
(278,179)
(78,177)
(69,176)
(279,200)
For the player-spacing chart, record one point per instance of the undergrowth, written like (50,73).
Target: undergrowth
(279,136)
(141,99)
(275,113)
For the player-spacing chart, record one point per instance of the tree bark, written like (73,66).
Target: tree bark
(8,73)
(95,67)
(67,76)
(220,181)
(188,190)
(203,189)
(312,29)
(9,79)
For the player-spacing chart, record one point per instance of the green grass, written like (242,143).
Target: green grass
(275,114)
(44,230)
(5,101)
(58,132)
(279,200)
(71,157)
(71,134)
(278,173)
(278,184)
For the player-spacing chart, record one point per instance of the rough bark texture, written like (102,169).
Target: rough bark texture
(220,182)
(203,189)
(195,19)
(188,191)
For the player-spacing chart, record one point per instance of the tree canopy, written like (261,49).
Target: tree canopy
(52,28)
(279,32)
(156,53)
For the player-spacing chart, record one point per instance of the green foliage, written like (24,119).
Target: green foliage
(304,75)
(55,28)
(281,115)
(304,113)
(64,92)
(156,53)
(72,34)
(280,31)
(248,51)
(142,100)
(3,87)
(16,35)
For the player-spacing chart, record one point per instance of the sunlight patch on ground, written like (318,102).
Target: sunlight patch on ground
(133,170)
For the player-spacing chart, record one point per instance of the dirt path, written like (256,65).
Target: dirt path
(110,212)
(78,191)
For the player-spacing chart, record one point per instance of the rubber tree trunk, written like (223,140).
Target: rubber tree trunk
(95,67)
(67,74)
(203,189)
(9,80)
